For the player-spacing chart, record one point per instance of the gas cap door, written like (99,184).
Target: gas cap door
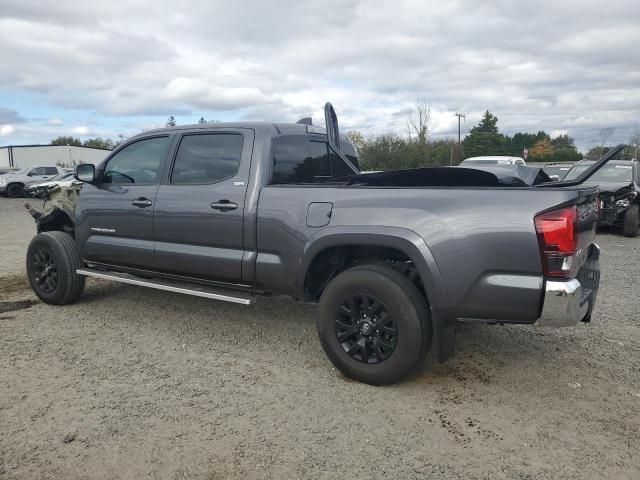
(319,214)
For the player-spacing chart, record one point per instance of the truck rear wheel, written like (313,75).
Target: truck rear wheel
(52,260)
(374,324)
(631,221)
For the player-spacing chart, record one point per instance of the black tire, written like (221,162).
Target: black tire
(631,221)
(407,308)
(15,190)
(52,260)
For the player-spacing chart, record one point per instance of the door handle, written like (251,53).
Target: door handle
(142,202)
(224,205)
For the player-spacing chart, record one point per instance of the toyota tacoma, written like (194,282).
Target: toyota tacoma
(395,260)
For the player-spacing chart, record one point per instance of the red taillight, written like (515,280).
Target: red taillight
(558,237)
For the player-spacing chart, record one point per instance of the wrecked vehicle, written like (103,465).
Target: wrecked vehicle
(395,260)
(41,189)
(14,183)
(619,183)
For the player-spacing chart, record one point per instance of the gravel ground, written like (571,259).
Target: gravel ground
(137,383)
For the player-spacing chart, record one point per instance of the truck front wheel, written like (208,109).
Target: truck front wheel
(631,221)
(52,260)
(374,324)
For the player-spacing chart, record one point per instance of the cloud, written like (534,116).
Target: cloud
(7,115)
(81,131)
(6,130)
(568,66)
(55,122)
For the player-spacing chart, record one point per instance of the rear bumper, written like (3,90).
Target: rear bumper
(569,302)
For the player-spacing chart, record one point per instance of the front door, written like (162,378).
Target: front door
(114,224)
(199,211)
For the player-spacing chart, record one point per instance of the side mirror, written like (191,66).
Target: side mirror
(85,173)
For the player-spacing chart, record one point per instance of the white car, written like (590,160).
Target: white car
(492,160)
(14,183)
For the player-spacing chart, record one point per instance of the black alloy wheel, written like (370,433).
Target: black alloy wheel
(374,324)
(366,329)
(45,270)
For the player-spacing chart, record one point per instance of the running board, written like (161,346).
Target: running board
(195,290)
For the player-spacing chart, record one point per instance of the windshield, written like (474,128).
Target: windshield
(608,173)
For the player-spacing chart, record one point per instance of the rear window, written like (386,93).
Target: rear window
(50,171)
(297,159)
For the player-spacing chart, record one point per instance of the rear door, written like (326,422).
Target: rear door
(199,213)
(115,216)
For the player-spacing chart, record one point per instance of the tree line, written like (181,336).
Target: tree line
(418,149)
(108,143)
(98,142)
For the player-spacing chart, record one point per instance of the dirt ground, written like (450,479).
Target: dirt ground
(136,383)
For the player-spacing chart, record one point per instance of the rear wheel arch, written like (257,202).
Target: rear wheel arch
(334,251)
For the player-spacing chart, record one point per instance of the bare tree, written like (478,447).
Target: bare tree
(418,121)
(604,134)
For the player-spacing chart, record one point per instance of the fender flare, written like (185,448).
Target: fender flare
(403,239)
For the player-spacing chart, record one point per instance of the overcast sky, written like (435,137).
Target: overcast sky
(105,68)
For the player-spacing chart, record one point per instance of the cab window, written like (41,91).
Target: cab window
(207,158)
(137,163)
(297,159)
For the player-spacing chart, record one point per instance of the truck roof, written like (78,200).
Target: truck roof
(279,127)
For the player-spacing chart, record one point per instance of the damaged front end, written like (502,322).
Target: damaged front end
(614,203)
(58,210)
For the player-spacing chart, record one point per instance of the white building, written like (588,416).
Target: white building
(21,156)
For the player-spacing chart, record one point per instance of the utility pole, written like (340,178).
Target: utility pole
(459,115)
(459,152)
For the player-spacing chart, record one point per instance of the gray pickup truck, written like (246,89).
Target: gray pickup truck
(232,211)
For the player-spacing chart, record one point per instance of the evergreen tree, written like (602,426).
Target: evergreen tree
(202,120)
(171,121)
(485,138)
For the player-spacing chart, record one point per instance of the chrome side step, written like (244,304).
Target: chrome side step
(196,290)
